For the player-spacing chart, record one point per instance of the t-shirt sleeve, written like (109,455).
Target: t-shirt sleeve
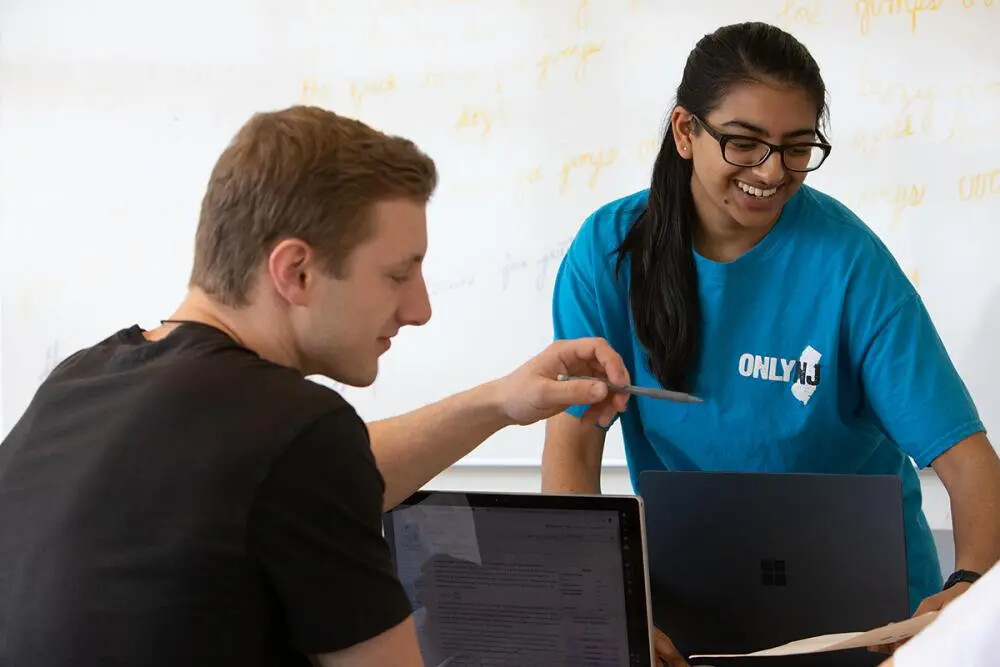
(912,386)
(315,528)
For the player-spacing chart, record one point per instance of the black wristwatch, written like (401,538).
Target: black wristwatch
(961,575)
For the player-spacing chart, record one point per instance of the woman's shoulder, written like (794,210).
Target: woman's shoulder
(606,227)
(831,221)
(625,208)
(847,245)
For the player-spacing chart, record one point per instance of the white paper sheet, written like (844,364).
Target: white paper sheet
(886,634)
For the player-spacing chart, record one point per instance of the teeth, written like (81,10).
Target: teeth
(756,192)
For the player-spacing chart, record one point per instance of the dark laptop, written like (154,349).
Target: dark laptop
(524,579)
(745,561)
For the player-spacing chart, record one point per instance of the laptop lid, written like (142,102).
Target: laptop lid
(745,561)
(524,579)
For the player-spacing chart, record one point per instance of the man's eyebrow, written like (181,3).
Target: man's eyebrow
(750,127)
(406,263)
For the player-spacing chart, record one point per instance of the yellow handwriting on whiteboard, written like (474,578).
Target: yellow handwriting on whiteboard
(896,93)
(471,118)
(866,10)
(969,4)
(314,92)
(973,91)
(904,197)
(901,127)
(648,148)
(913,109)
(442,77)
(578,53)
(899,198)
(594,162)
(800,12)
(977,126)
(363,89)
(582,13)
(982,130)
(914,276)
(529,176)
(973,187)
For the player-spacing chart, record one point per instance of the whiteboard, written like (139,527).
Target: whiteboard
(112,113)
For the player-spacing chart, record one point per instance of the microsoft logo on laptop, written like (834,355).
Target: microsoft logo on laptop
(772,572)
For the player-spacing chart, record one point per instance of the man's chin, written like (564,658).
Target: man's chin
(367,377)
(355,377)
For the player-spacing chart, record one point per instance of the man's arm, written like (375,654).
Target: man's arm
(395,646)
(413,448)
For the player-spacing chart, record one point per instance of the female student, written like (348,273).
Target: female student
(775,304)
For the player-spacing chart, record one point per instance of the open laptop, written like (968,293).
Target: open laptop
(524,579)
(745,561)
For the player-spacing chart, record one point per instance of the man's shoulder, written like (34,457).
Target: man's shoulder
(122,337)
(190,373)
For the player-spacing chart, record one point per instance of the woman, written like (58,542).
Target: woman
(731,279)
(964,634)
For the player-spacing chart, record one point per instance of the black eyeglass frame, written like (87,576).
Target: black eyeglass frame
(724,139)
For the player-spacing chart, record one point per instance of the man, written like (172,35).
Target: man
(184,496)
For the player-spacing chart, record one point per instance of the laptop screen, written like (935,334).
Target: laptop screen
(506,579)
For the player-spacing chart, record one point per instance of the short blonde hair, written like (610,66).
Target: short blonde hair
(305,173)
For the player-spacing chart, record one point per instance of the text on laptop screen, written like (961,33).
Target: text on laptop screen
(515,585)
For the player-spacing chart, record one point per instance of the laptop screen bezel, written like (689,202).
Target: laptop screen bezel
(635,585)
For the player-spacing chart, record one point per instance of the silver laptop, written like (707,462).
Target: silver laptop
(524,579)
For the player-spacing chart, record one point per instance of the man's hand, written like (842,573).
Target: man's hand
(935,602)
(666,652)
(532,392)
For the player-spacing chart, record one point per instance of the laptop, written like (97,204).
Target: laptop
(524,579)
(745,561)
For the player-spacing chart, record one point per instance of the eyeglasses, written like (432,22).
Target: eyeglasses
(743,151)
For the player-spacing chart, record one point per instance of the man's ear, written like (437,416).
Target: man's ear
(681,126)
(291,265)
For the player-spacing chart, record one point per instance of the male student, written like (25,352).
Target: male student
(184,496)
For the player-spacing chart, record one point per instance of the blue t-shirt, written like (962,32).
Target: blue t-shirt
(819,289)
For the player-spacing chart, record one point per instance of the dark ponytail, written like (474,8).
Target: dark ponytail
(664,292)
(663,296)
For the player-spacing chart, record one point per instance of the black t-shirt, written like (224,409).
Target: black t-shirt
(184,502)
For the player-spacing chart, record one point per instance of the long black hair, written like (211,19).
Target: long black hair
(664,281)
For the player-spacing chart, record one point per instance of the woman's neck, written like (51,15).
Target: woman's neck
(717,236)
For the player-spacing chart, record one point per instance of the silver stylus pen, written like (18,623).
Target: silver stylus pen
(665,394)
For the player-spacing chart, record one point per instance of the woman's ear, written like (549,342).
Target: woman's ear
(681,121)
(289,266)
